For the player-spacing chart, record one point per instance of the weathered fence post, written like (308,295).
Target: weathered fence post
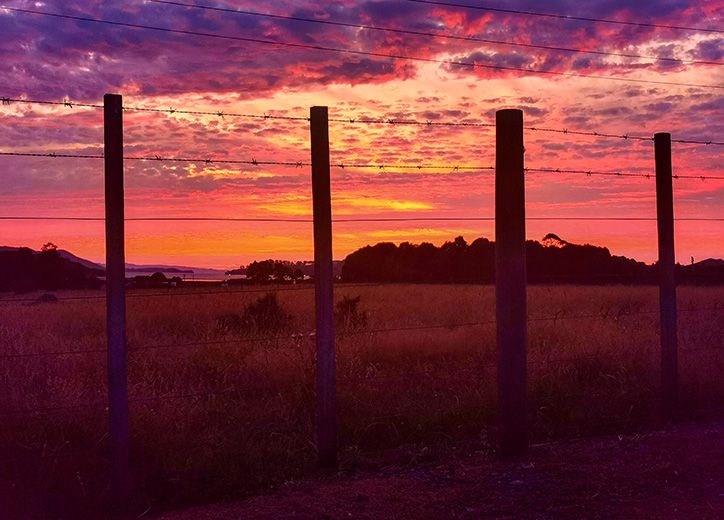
(667,281)
(510,281)
(116,300)
(323,290)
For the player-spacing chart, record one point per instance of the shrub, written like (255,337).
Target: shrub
(347,315)
(263,315)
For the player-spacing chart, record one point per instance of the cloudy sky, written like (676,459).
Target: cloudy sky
(675,86)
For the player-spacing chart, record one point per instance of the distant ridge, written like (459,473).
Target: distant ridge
(78,260)
(23,269)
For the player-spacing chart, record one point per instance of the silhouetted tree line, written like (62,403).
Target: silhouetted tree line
(279,271)
(24,270)
(154,281)
(273,270)
(552,262)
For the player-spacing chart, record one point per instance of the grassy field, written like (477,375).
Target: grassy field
(213,420)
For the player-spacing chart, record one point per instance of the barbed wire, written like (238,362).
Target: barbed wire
(158,158)
(625,137)
(563,16)
(6,101)
(352,52)
(381,167)
(53,155)
(619,174)
(447,36)
(367,120)
(403,122)
(218,113)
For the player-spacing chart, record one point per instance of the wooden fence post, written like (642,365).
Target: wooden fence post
(116,301)
(667,280)
(323,290)
(510,282)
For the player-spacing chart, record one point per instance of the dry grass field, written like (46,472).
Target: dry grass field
(213,420)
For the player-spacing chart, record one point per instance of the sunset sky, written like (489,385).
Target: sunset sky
(55,59)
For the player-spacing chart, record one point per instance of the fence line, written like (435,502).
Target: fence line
(512,319)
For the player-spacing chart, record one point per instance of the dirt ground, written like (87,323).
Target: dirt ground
(675,473)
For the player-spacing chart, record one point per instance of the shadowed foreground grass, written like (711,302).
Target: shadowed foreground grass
(210,421)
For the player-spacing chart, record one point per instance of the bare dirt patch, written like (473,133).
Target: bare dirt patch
(672,473)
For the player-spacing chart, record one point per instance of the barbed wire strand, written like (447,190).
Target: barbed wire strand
(380,167)
(352,52)
(366,120)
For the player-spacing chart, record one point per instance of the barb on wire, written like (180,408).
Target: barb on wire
(218,113)
(411,122)
(252,161)
(412,166)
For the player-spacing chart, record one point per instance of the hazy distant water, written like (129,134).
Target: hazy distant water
(201,275)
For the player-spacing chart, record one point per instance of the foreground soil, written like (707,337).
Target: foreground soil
(672,473)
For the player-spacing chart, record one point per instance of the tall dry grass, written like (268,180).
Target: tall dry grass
(221,420)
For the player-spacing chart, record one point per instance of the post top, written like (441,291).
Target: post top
(662,135)
(510,114)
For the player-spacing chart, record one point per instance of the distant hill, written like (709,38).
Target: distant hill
(23,269)
(78,260)
(135,268)
(551,261)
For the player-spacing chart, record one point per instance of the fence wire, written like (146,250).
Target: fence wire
(357,120)
(381,167)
